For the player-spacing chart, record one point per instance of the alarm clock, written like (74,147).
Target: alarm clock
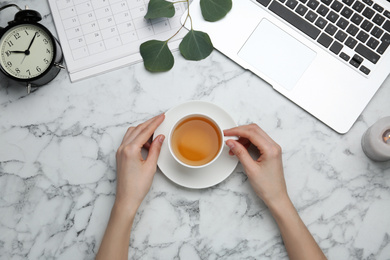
(29,53)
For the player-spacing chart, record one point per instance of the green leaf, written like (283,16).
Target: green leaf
(196,45)
(160,8)
(214,10)
(157,56)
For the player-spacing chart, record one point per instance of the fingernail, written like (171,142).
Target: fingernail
(161,138)
(230,144)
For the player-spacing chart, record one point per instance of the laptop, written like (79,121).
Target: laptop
(327,56)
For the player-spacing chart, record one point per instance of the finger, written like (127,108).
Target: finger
(254,134)
(241,152)
(148,130)
(127,135)
(244,141)
(154,150)
(134,132)
(148,143)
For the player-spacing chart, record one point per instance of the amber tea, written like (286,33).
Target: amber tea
(196,140)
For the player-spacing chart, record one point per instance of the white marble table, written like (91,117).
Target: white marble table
(57,169)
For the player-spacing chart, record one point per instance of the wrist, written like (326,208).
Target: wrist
(280,206)
(124,210)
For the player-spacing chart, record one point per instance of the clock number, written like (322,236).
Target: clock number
(39,69)
(26,32)
(8,53)
(46,60)
(47,51)
(28,71)
(10,44)
(9,63)
(17,36)
(45,41)
(17,70)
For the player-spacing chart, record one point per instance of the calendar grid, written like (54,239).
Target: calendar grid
(93,32)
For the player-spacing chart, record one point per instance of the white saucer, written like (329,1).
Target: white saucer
(202,177)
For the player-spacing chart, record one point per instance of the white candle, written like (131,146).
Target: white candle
(376,140)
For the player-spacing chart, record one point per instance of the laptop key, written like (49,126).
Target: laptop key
(332,16)
(336,47)
(313,4)
(378,19)
(344,56)
(331,29)
(342,23)
(311,16)
(368,12)
(365,70)
(321,23)
(356,61)
(378,8)
(362,36)
(386,26)
(382,48)
(376,32)
(352,30)
(325,40)
(341,36)
(291,3)
(372,43)
(327,2)
(351,42)
(358,6)
(387,14)
(295,20)
(356,19)
(346,12)
(322,10)
(366,25)
(301,9)
(348,2)
(368,2)
(264,2)
(336,6)
(367,53)
(386,38)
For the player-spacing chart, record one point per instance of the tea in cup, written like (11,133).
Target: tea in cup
(196,140)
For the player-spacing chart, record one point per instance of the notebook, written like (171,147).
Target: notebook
(328,56)
(101,35)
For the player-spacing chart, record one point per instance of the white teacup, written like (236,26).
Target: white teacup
(196,140)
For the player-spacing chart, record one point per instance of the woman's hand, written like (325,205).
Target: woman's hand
(266,173)
(134,173)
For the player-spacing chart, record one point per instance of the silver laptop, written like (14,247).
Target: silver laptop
(327,56)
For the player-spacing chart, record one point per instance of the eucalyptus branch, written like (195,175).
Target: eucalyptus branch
(195,45)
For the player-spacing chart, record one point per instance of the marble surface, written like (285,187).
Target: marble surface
(57,169)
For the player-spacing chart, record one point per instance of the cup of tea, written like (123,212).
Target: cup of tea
(196,140)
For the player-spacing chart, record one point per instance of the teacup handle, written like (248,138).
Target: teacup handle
(225,138)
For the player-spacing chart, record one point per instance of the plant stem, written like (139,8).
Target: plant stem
(188,15)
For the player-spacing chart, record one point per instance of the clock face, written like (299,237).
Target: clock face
(26,51)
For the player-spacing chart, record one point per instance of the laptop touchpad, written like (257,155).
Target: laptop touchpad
(277,54)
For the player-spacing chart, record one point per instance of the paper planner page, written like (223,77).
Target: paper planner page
(96,32)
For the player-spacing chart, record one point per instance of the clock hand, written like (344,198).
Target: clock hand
(28,49)
(18,52)
(27,52)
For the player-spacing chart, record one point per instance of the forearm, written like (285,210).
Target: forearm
(115,243)
(298,241)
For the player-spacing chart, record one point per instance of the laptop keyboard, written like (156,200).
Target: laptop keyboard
(353,30)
